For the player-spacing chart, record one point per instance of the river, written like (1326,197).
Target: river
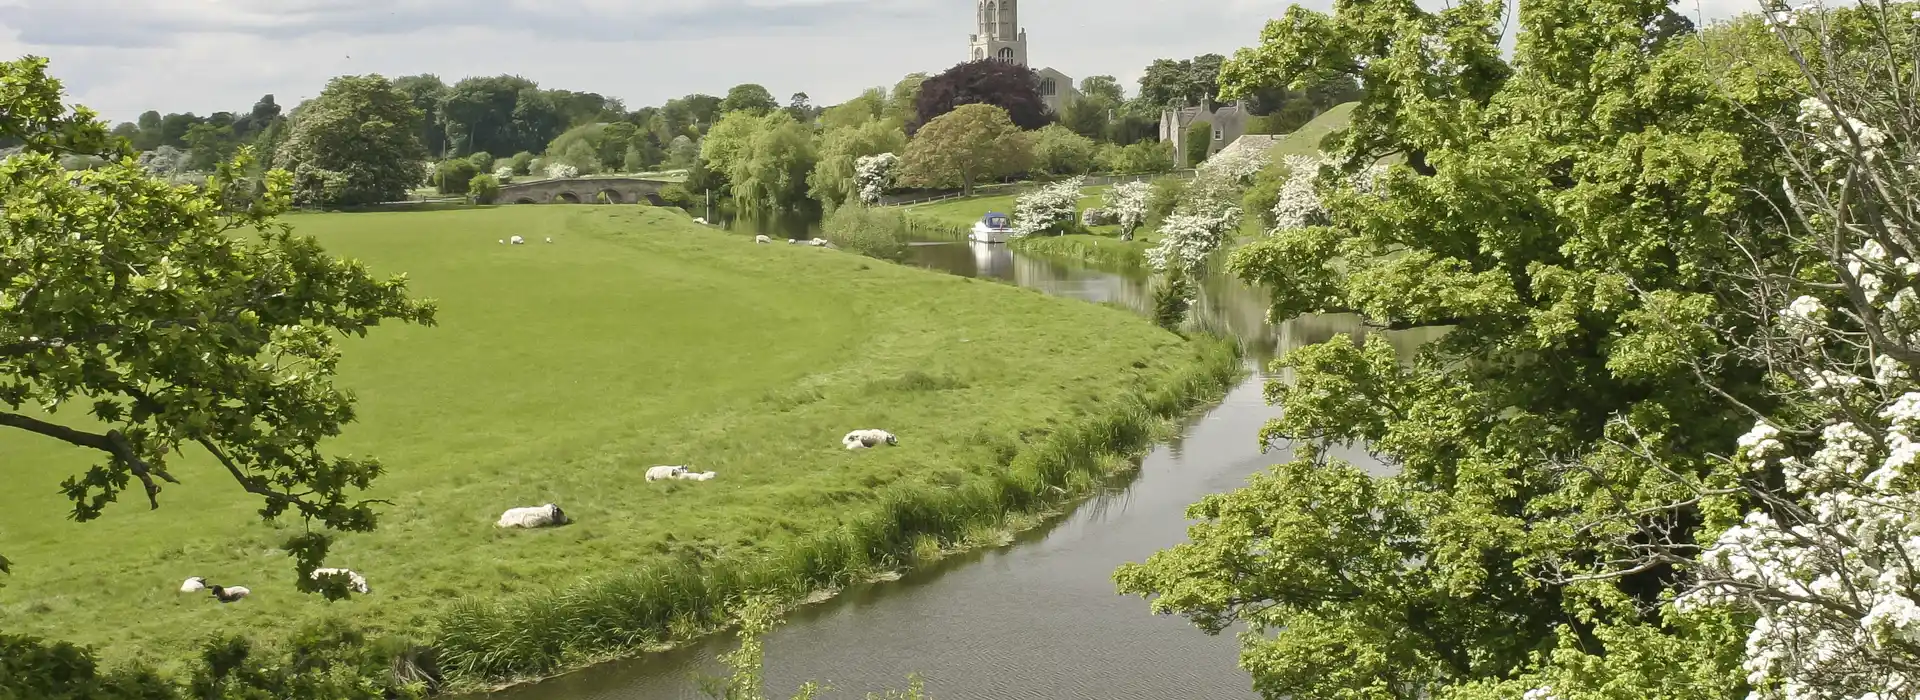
(1037,618)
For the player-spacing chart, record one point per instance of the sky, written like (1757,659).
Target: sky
(123,57)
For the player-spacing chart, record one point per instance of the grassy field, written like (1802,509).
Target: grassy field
(559,373)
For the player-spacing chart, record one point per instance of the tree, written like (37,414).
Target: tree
(1165,84)
(479,115)
(682,153)
(961,147)
(427,92)
(1142,157)
(366,133)
(1128,203)
(454,174)
(1104,90)
(833,180)
(484,188)
(143,306)
(482,161)
(1199,143)
(1012,87)
(1086,117)
(1563,217)
(1057,150)
(902,103)
(801,107)
(1053,209)
(773,176)
(748,97)
(208,146)
(730,143)
(869,106)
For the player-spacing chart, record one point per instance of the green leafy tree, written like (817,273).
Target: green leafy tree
(482,161)
(1057,150)
(730,143)
(208,146)
(749,97)
(484,188)
(682,153)
(773,174)
(360,133)
(962,147)
(1104,90)
(1563,217)
(1142,157)
(426,91)
(1087,118)
(832,181)
(177,319)
(869,106)
(522,163)
(903,100)
(452,176)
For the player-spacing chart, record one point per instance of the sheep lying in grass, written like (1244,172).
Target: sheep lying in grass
(695,476)
(355,582)
(665,473)
(700,220)
(762,239)
(818,243)
(548,515)
(230,594)
(194,585)
(516,240)
(863,439)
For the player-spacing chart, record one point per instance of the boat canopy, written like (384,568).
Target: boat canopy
(994,219)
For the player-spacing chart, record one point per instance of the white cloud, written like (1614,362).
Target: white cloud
(123,57)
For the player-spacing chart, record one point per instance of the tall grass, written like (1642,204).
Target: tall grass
(1106,252)
(493,640)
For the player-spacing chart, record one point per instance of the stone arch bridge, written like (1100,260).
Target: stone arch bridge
(583,190)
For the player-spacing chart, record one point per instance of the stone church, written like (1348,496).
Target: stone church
(1001,37)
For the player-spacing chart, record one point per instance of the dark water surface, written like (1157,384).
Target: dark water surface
(1038,618)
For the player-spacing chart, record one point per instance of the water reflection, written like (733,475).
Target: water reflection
(1038,619)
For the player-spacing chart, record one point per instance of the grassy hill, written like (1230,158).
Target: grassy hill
(559,373)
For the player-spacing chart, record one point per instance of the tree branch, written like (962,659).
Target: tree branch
(113,442)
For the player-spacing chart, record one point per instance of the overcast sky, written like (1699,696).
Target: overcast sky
(123,57)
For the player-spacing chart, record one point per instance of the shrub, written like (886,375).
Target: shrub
(1142,157)
(874,175)
(34,669)
(453,176)
(873,232)
(504,173)
(482,161)
(1048,210)
(562,170)
(676,195)
(485,189)
(522,163)
(1165,195)
(1171,299)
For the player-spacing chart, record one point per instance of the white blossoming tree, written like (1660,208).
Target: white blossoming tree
(1050,209)
(874,175)
(562,171)
(1128,203)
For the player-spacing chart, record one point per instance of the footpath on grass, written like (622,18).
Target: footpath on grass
(558,374)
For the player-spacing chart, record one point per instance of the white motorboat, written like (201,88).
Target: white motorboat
(992,228)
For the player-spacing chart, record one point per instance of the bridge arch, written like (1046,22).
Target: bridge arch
(566,198)
(611,195)
(525,200)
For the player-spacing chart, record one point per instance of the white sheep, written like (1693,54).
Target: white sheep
(230,594)
(548,515)
(516,240)
(355,582)
(818,242)
(700,220)
(862,439)
(194,585)
(762,239)
(695,476)
(664,473)
(549,239)
(503,241)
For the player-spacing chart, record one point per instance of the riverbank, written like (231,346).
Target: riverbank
(1099,245)
(559,373)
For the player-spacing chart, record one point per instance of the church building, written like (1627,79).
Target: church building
(1000,37)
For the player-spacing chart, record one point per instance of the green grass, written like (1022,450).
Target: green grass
(558,374)
(1305,141)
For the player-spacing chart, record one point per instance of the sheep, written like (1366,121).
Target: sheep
(355,582)
(700,220)
(695,476)
(549,239)
(762,239)
(516,240)
(662,473)
(548,515)
(869,438)
(230,594)
(194,585)
(818,242)
(503,241)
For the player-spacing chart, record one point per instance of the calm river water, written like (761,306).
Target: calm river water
(1038,618)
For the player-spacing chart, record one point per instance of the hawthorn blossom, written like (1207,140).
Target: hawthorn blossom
(1188,239)
(1128,202)
(873,175)
(1049,209)
(562,170)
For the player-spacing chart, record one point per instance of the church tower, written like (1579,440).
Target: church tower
(998,34)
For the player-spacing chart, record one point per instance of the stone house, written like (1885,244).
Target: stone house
(1229,123)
